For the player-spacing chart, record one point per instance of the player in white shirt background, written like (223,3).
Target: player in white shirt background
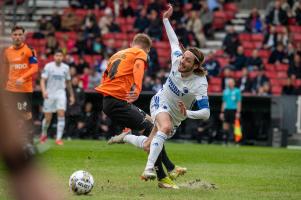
(54,79)
(186,85)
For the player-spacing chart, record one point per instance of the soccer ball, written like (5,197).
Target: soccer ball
(81,182)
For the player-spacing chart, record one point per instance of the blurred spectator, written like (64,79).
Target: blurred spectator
(67,44)
(270,38)
(230,109)
(245,82)
(283,37)
(254,23)
(239,60)
(194,26)
(90,27)
(154,29)
(84,78)
(69,60)
(90,4)
(154,5)
(297,12)
(227,74)
(104,63)
(80,45)
(213,5)
(89,19)
(51,45)
(294,70)
(69,22)
(157,85)
(278,55)
(87,125)
(212,65)
(153,62)
(74,111)
(264,90)
(107,24)
(289,88)
(81,65)
(177,12)
(141,21)
(231,41)
(110,47)
(127,10)
(259,80)
(73,72)
(56,20)
(98,46)
(182,34)
(206,17)
(277,16)
(254,61)
(147,84)
(290,52)
(93,79)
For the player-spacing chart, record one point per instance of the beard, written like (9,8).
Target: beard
(184,69)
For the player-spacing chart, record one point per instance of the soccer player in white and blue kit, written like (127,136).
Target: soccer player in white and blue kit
(186,85)
(55,77)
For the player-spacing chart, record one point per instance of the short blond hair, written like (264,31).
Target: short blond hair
(143,40)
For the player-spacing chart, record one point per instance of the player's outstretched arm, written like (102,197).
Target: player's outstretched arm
(172,37)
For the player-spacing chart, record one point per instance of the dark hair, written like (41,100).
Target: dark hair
(143,40)
(198,60)
(58,51)
(17,27)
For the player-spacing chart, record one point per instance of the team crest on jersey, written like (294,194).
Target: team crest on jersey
(177,53)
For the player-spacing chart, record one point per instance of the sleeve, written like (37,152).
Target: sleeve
(173,40)
(203,111)
(68,76)
(45,72)
(138,73)
(141,55)
(33,62)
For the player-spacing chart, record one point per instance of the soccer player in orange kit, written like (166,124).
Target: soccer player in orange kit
(20,64)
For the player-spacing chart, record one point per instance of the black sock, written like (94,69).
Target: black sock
(166,161)
(159,168)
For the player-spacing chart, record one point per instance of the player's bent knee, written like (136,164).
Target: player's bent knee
(166,128)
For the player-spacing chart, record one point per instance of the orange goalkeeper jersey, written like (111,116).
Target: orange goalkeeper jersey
(124,73)
(19,63)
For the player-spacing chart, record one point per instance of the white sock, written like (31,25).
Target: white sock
(137,141)
(155,149)
(60,127)
(45,127)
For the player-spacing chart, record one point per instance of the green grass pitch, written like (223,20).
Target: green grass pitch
(238,172)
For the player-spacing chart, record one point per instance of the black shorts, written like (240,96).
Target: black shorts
(124,113)
(20,101)
(230,116)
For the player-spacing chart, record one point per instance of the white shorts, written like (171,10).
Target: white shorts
(159,105)
(54,104)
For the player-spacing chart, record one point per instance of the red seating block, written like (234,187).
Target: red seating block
(215,81)
(276,90)
(282,67)
(244,37)
(257,37)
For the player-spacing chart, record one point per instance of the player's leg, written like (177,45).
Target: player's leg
(60,126)
(45,125)
(164,126)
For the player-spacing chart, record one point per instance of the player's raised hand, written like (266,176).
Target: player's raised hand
(182,108)
(168,12)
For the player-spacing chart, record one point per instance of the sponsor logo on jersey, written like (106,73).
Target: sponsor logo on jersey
(18,66)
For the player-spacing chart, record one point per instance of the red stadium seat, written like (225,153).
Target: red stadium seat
(282,67)
(280,29)
(296,37)
(215,81)
(130,20)
(244,37)
(120,36)
(219,52)
(120,21)
(223,61)
(108,36)
(276,90)
(161,45)
(248,45)
(163,52)
(269,67)
(230,7)
(257,37)
(248,52)
(271,74)
(275,82)
(219,20)
(297,83)
(215,88)
(264,53)
(281,74)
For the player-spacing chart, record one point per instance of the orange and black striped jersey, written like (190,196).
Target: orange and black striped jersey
(20,63)
(124,73)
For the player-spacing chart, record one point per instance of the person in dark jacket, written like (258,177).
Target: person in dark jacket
(277,16)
